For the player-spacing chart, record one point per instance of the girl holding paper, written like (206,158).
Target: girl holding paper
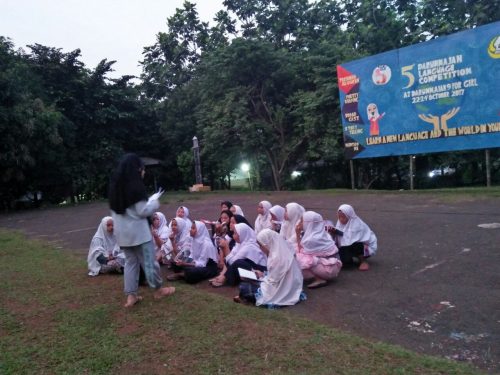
(245,254)
(282,285)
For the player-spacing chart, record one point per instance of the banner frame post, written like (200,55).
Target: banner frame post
(412,159)
(351,165)
(488,167)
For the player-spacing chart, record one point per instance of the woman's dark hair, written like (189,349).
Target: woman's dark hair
(242,219)
(126,186)
(227,204)
(227,212)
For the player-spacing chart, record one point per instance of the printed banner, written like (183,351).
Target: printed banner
(435,96)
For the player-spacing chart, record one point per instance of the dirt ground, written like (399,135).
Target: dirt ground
(433,286)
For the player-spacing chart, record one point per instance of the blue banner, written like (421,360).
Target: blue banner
(441,95)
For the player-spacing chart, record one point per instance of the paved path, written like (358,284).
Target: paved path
(434,285)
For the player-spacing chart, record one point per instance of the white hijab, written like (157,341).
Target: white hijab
(263,221)
(202,248)
(237,210)
(283,283)
(356,230)
(279,212)
(186,215)
(182,237)
(247,247)
(294,213)
(316,239)
(163,229)
(103,243)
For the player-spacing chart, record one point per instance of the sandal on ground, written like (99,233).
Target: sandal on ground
(132,301)
(237,299)
(317,284)
(163,292)
(364,266)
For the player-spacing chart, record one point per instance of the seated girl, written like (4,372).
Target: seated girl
(277,217)
(179,238)
(354,238)
(263,219)
(183,213)
(318,254)
(282,284)
(203,257)
(293,214)
(105,255)
(160,232)
(245,254)
(226,244)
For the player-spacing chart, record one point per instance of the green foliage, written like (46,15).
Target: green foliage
(258,84)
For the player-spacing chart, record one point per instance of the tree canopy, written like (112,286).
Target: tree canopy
(258,83)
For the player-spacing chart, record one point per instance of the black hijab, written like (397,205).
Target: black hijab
(126,186)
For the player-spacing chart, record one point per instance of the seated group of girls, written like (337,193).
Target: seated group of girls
(286,246)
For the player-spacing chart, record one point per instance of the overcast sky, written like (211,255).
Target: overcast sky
(113,29)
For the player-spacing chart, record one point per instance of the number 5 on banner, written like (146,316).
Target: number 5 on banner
(406,71)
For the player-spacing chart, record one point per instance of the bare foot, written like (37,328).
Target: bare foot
(218,281)
(364,266)
(132,300)
(163,292)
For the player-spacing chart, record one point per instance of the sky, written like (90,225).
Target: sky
(112,29)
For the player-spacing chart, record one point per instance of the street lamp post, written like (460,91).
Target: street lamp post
(197,164)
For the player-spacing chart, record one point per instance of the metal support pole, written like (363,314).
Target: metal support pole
(351,165)
(411,171)
(488,170)
(197,164)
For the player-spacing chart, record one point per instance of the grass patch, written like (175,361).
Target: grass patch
(55,319)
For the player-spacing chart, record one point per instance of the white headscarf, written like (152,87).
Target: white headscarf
(316,239)
(294,213)
(247,247)
(279,212)
(356,230)
(186,215)
(103,243)
(182,237)
(202,248)
(237,210)
(263,221)
(163,230)
(283,283)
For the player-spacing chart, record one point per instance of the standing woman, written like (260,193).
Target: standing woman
(263,219)
(354,237)
(318,254)
(130,209)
